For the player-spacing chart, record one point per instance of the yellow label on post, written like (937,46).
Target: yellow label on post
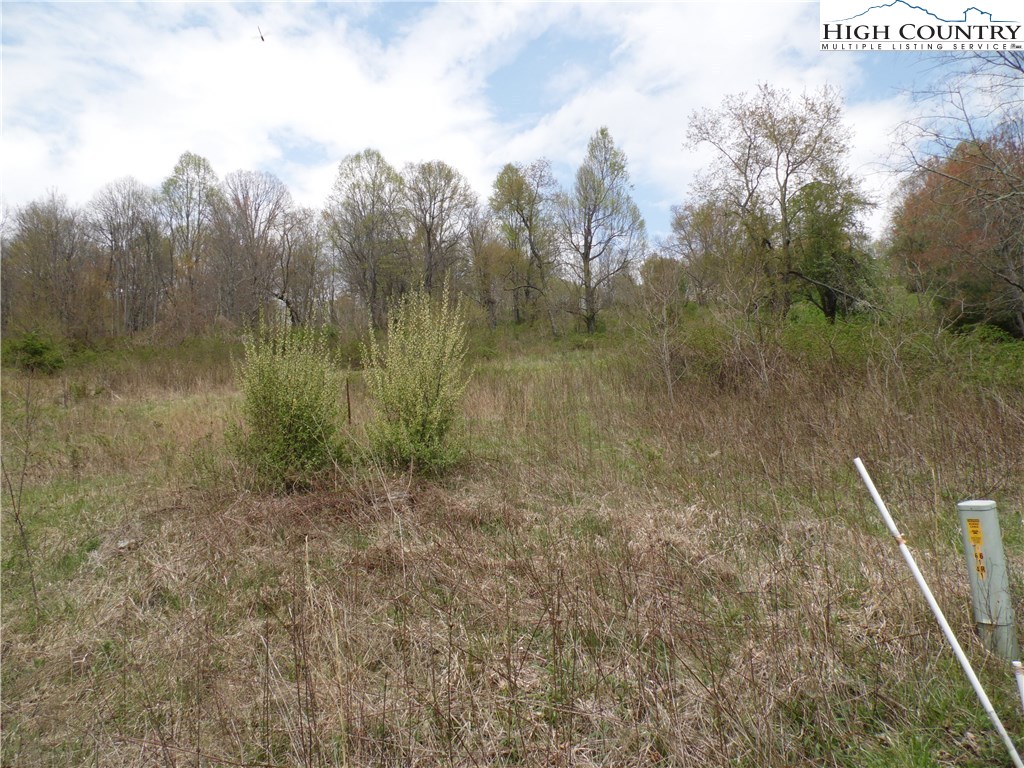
(974,531)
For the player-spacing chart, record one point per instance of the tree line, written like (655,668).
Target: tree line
(201,250)
(775,218)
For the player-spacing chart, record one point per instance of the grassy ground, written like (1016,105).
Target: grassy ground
(610,578)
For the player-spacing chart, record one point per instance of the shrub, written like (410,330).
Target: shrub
(35,352)
(417,379)
(289,406)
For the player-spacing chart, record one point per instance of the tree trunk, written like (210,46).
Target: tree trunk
(589,297)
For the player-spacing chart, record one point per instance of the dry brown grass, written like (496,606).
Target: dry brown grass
(608,580)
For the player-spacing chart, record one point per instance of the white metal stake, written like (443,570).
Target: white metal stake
(946,630)
(1018,671)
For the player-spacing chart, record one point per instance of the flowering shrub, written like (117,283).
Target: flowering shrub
(417,378)
(289,404)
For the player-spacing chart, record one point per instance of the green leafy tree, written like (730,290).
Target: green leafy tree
(439,204)
(187,199)
(830,248)
(521,201)
(35,352)
(711,243)
(491,263)
(768,147)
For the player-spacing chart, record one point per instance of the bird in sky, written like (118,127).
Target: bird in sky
(262,39)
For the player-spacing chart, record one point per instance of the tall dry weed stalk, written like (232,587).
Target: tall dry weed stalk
(20,436)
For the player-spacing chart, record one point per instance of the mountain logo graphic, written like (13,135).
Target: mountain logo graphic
(903,25)
(982,17)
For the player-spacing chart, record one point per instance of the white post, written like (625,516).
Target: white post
(943,624)
(989,577)
(1018,671)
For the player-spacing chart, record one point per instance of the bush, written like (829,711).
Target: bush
(289,406)
(417,381)
(34,352)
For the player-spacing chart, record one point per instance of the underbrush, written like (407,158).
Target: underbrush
(610,577)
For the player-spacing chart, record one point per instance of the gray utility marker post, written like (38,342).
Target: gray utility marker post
(990,580)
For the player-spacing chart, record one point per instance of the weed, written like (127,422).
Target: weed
(289,404)
(608,579)
(417,380)
(21,439)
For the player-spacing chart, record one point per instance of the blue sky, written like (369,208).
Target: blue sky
(94,91)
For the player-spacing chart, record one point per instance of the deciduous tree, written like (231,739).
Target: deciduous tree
(366,230)
(600,228)
(438,203)
(662,294)
(125,223)
(710,242)
(958,233)
(301,279)
(52,279)
(768,147)
(521,201)
(187,200)
(491,263)
(251,210)
(831,248)
(965,157)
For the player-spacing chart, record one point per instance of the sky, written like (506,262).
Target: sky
(92,92)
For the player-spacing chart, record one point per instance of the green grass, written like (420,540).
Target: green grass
(607,578)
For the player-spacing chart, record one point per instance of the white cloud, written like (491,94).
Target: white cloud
(874,125)
(670,60)
(94,92)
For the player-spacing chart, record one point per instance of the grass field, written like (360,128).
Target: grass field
(610,577)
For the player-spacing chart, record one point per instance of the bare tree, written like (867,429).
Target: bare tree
(365,228)
(126,225)
(50,275)
(600,228)
(662,294)
(251,210)
(301,278)
(187,200)
(439,203)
